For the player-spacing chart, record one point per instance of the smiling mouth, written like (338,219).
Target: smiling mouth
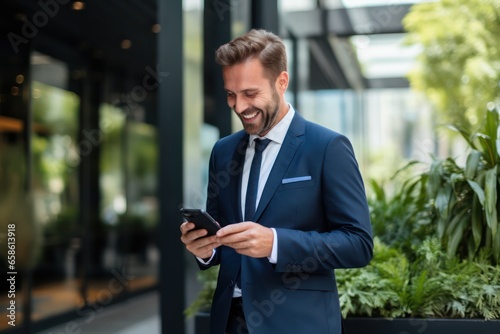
(250,116)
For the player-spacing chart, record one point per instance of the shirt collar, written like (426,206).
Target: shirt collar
(278,132)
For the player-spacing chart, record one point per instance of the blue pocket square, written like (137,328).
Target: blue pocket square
(296,179)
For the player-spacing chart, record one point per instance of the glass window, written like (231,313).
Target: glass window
(384,56)
(297,5)
(137,237)
(55,158)
(16,216)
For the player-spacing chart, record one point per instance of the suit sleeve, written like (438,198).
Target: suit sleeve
(211,207)
(345,241)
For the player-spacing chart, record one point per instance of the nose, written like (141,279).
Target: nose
(239,105)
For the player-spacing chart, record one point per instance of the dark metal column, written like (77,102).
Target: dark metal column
(90,139)
(170,194)
(22,65)
(217,31)
(265,15)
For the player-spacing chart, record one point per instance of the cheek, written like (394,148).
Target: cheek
(261,102)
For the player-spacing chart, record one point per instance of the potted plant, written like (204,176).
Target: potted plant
(433,292)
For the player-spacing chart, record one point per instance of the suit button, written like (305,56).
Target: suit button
(231,283)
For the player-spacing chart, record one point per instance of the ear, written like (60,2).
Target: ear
(282,82)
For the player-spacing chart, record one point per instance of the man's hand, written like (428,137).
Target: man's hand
(247,238)
(195,241)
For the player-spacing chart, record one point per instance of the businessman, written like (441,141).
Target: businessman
(290,199)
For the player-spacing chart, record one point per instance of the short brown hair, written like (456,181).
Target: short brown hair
(260,44)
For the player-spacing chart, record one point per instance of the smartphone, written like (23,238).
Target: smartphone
(201,219)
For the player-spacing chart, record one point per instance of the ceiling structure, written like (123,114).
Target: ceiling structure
(353,44)
(115,33)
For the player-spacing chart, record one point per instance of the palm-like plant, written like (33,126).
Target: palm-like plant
(465,198)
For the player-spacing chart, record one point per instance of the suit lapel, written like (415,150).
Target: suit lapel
(285,156)
(235,182)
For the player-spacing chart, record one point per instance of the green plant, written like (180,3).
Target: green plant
(451,287)
(203,301)
(457,203)
(401,217)
(465,198)
(375,290)
(434,285)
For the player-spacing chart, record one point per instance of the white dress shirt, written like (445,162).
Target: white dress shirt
(277,136)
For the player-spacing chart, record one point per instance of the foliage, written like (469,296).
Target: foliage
(203,301)
(459,64)
(445,221)
(457,203)
(431,285)
(375,290)
(403,218)
(434,285)
(465,198)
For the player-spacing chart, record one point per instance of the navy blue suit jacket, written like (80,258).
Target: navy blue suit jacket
(315,199)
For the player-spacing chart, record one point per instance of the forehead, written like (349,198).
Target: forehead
(249,72)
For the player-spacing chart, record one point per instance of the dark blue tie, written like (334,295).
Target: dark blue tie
(253,185)
(253,178)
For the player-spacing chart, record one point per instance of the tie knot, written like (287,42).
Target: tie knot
(261,144)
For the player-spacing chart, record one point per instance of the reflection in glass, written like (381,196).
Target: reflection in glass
(15,209)
(55,197)
(128,178)
(138,225)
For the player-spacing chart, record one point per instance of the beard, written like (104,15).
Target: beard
(269,116)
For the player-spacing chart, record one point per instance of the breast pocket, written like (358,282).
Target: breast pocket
(296,182)
(295,204)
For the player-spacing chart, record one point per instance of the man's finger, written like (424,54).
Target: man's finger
(233,228)
(191,236)
(186,226)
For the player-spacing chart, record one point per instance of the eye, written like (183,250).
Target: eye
(230,94)
(250,94)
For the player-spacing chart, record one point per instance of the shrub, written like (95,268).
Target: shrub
(435,285)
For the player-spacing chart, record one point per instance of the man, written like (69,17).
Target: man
(278,247)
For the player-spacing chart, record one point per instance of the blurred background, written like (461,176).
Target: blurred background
(109,110)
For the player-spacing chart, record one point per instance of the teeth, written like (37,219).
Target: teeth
(250,116)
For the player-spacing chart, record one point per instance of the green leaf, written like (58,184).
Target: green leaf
(478,190)
(477,222)
(378,190)
(491,125)
(487,149)
(457,234)
(497,142)
(441,227)
(443,199)
(490,193)
(463,131)
(496,245)
(472,163)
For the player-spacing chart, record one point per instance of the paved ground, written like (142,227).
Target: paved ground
(138,315)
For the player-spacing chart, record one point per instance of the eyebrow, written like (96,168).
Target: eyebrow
(249,90)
